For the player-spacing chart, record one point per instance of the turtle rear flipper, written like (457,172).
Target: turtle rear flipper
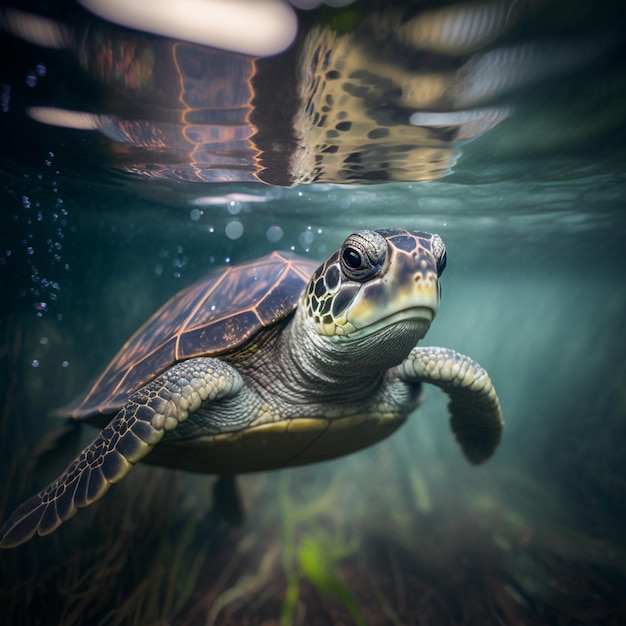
(151,411)
(475,414)
(227,500)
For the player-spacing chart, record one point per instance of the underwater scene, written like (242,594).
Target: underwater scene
(332,184)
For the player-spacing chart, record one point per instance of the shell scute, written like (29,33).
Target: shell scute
(217,314)
(220,335)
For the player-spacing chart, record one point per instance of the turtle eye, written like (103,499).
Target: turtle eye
(363,255)
(356,264)
(352,258)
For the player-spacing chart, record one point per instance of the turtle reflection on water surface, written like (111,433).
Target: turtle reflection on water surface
(271,364)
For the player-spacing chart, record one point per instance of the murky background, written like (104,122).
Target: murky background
(99,228)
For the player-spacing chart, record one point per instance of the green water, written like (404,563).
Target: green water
(405,532)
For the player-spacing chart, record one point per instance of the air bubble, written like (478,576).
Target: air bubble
(43,341)
(6,98)
(35,363)
(234,208)
(195,214)
(305,239)
(274,234)
(234,229)
(65,363)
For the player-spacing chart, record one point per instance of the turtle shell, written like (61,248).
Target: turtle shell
(214,316)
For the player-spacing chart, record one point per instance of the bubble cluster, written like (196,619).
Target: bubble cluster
(5,98)
(41,217)
(234,217)
(32,78)
(176,260)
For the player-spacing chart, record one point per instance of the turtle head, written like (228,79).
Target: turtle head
(382,280)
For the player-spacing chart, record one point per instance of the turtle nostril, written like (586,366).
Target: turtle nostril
(417,278)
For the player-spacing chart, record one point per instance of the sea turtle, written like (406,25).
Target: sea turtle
(270,364)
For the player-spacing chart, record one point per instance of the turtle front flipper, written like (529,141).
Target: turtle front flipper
(476,417)
(158,407)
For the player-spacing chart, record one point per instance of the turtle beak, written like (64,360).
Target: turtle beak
(408,291)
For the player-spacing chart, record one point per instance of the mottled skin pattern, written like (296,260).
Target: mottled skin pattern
(361,84)
(314,372)
(354,121)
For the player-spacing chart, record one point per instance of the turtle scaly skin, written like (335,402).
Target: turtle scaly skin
(255,368)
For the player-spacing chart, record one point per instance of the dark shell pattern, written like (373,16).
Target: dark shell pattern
(211,317)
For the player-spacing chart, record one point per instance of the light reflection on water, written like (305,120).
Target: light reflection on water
(370,92)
